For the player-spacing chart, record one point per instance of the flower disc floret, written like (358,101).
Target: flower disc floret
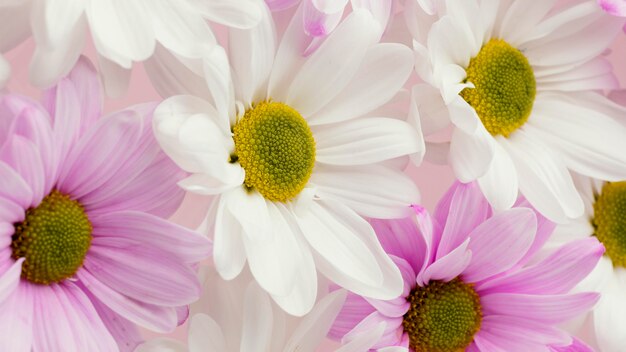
(53,238)
(609,221)
(275,147)
(443,317)
(504,87)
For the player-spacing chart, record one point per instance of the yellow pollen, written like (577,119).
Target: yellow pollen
(275,147)
(53,238)
(444,316)
(609,221)
(505,87)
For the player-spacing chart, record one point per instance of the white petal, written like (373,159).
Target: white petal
(364,141)
(170,76)
(114,77)
(471,155)
(330,6)
(251,57)
(608,316)
(231,13)
(5,71)
(372,190)
(383,72)
(364,341)
(205,335)
(590,143)
(313,328)
(543,179)
(229,254)
(275,261)
(250,210)
(500,185)
(331,67)
(356,233)
(217,75)
(60,17)
(162,344)
(257,320)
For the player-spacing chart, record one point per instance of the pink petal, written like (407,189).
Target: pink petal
(10,280)
(397,307)
(613,7)
(549,309)
(404,239)
(486,341)
(279,5)
(123,331)
(160,319)
(545,228)
(127,229)
(154,190)
(16,331)
(449,266)
(102,152)
(354,310)
(557,274)
(65,320)
(468,208)
(392,334)
(24,157)
(500,242)
(11,212)
(147,275)
(14,187)
(519,329)
(575,346)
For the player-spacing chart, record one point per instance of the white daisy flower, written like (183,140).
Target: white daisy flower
(604,218)
(295,150)
(518,84)
(238,315)
(123,32)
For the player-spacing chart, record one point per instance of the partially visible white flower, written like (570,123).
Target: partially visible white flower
(238,315)
(605,219)
(123,32)
(519,85)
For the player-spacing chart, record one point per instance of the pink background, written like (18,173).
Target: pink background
(432,180)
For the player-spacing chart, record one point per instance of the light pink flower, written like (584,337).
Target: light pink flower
(85,251)
(466,248)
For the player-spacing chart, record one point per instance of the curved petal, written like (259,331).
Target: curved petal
(16,334)
(372,190)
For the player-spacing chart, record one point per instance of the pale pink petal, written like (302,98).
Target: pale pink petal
(11,212)
(392,334)
(545,228)
(142,273)
(153,190)
(468,208)
(449,266)
(576,346)
(16,333)
(65,320)
(402,238)
(101,152)
(24,157)
(557,274)
(160,319)
(131,228)
(550,309)
(613,7)
(318,23)
(123,331)
(279,5)
(10,280)
(397,307)
(354,310)
(500,242)
(519,329)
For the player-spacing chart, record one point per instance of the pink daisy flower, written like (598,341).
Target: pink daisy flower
(468,284)
(85,251)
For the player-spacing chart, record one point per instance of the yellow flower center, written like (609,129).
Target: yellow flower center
(504,87)
(609,221)
(275,146)
(444,316)
(54,238)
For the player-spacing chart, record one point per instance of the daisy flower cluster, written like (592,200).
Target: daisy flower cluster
(245,175)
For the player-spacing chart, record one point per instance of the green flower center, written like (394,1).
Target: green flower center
(444,316)
(275,147)
(504,87)
(54,238)
(609,221)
